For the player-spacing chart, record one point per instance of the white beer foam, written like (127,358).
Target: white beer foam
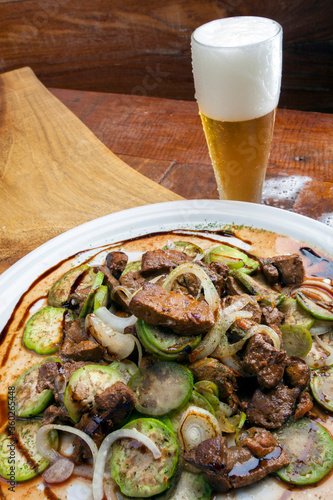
(237,64)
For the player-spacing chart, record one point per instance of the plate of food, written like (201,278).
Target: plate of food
(174,351)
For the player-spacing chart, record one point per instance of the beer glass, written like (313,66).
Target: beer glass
(237,63)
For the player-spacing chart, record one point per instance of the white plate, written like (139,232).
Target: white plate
(191,214)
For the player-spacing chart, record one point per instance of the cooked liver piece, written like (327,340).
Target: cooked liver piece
(288,269)
(259,441)
(56,415)
(116,262)
(132,280)
(162,261)
(211,369)
(304,405)
(54,376)
(83,351)
(271,409)
(272,316)
(182,313)
(236,466)
(111,408)
(265,361)
(74,330)
(297,372)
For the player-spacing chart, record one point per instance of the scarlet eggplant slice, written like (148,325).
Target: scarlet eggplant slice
(18,451)
(162,388)
(134,468)
(310,450)
(314,309)
(83,386)
(43,333)
(29,402)
(322,387)
(163,343)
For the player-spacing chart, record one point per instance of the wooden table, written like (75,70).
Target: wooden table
(159,138)
(163,139)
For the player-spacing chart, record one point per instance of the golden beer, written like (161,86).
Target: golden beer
(239,153)
(237,66)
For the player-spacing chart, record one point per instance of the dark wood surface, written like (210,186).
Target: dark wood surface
(71,156)
(163,139)
(143,47)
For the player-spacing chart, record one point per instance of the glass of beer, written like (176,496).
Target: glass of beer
(237,65)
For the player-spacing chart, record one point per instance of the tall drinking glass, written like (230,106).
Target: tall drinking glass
(237,64)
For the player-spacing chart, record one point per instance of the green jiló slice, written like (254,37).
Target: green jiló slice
(313,308)
(162,388)
(43,332)
(27,465)
(294,314)
(58,295)
(163,343)
(321,384)
(29,402)
(310,450)
(296,340)
(192,486)
(83,386)
(134,468)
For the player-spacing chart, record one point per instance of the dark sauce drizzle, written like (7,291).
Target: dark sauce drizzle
(315,259)
(205,234)
(309,253)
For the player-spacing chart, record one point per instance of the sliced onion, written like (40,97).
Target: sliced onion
(210,292)
(117,323)
(115,343)
(227,424)
(110,490)
(59,471)
(313,362)
(267,331)
(121,288)
(104,454)
(196,426)
(234,363)
(211,341)
(321,327)
(44,447)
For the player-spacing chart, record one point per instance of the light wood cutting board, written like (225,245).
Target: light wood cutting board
(54,173)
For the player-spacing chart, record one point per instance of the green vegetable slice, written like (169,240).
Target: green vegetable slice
(322,386)
(164,342)
(295,314)
(88,305)
(234,258)
(192,486)
(135,470)
(265,295)
(314,309)
(83,386)
(43,332)
(310,450)
(296,340)
(125,367)
(29,402)
(132,267)
(162,388)
(58,295)
(101,298)
(16,463)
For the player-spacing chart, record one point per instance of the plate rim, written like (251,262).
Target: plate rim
(162,215)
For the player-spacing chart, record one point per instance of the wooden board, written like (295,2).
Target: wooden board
(54,173)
